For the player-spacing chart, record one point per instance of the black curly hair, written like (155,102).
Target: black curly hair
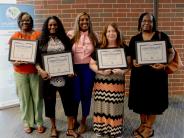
(140,20)
(60,33)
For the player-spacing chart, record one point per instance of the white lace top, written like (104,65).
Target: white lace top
(55,45)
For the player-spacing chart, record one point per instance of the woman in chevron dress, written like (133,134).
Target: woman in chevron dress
(109,89)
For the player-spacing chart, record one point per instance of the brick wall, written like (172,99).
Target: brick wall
(125,13)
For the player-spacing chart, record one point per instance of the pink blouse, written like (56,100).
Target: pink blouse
(82,49)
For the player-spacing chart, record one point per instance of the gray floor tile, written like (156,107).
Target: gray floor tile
(168,125)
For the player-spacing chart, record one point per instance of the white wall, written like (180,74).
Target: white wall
(8,1)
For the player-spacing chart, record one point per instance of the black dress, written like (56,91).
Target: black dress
(148,93)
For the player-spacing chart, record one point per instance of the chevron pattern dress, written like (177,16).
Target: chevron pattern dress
(108,104)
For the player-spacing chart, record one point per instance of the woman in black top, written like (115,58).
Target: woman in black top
(148,83)
(54,40)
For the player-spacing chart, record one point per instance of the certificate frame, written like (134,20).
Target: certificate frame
(151,52)
(58,64)
(23,50)
(110,58)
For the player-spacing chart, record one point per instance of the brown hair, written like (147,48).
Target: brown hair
(103,38)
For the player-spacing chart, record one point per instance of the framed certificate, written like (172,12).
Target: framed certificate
(23,50)
(151,52)
(58,64)
(111,58)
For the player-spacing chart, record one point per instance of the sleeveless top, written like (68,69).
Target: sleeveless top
(55,45)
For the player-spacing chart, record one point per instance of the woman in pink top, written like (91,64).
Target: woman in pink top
(84,42)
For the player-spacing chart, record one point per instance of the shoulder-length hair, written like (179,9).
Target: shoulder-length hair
(153,20)
(19,19)
(60,33)
(103,39)
(91,33)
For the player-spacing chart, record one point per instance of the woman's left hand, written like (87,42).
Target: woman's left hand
(158,66)
(106,72)
(72,75)
(118,71)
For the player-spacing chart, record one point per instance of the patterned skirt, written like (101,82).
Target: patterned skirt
(108,104)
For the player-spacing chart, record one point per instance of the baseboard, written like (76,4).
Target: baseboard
(9,104)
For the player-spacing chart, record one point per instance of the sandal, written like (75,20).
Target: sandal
(82,129)
(53,132)
(98,134)
(139,129)
(71,132)
(28,130)
(147,133)
(40,129)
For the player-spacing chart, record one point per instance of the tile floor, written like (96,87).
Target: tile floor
(168,125)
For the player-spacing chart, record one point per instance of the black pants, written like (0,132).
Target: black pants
(49,95)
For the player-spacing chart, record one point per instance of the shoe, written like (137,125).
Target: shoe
(98,134)
(152,134)
(53,132)
(139,129)
(116,136)
(40,129)
(82,129)
(147,133)
(28,130)
(71,132)
(119,136)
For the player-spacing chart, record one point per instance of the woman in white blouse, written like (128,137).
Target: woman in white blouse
(55,40)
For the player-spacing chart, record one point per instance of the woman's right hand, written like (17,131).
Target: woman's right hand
(43,74)
(18,63)
(135,64)
(105,72)
(72,75)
